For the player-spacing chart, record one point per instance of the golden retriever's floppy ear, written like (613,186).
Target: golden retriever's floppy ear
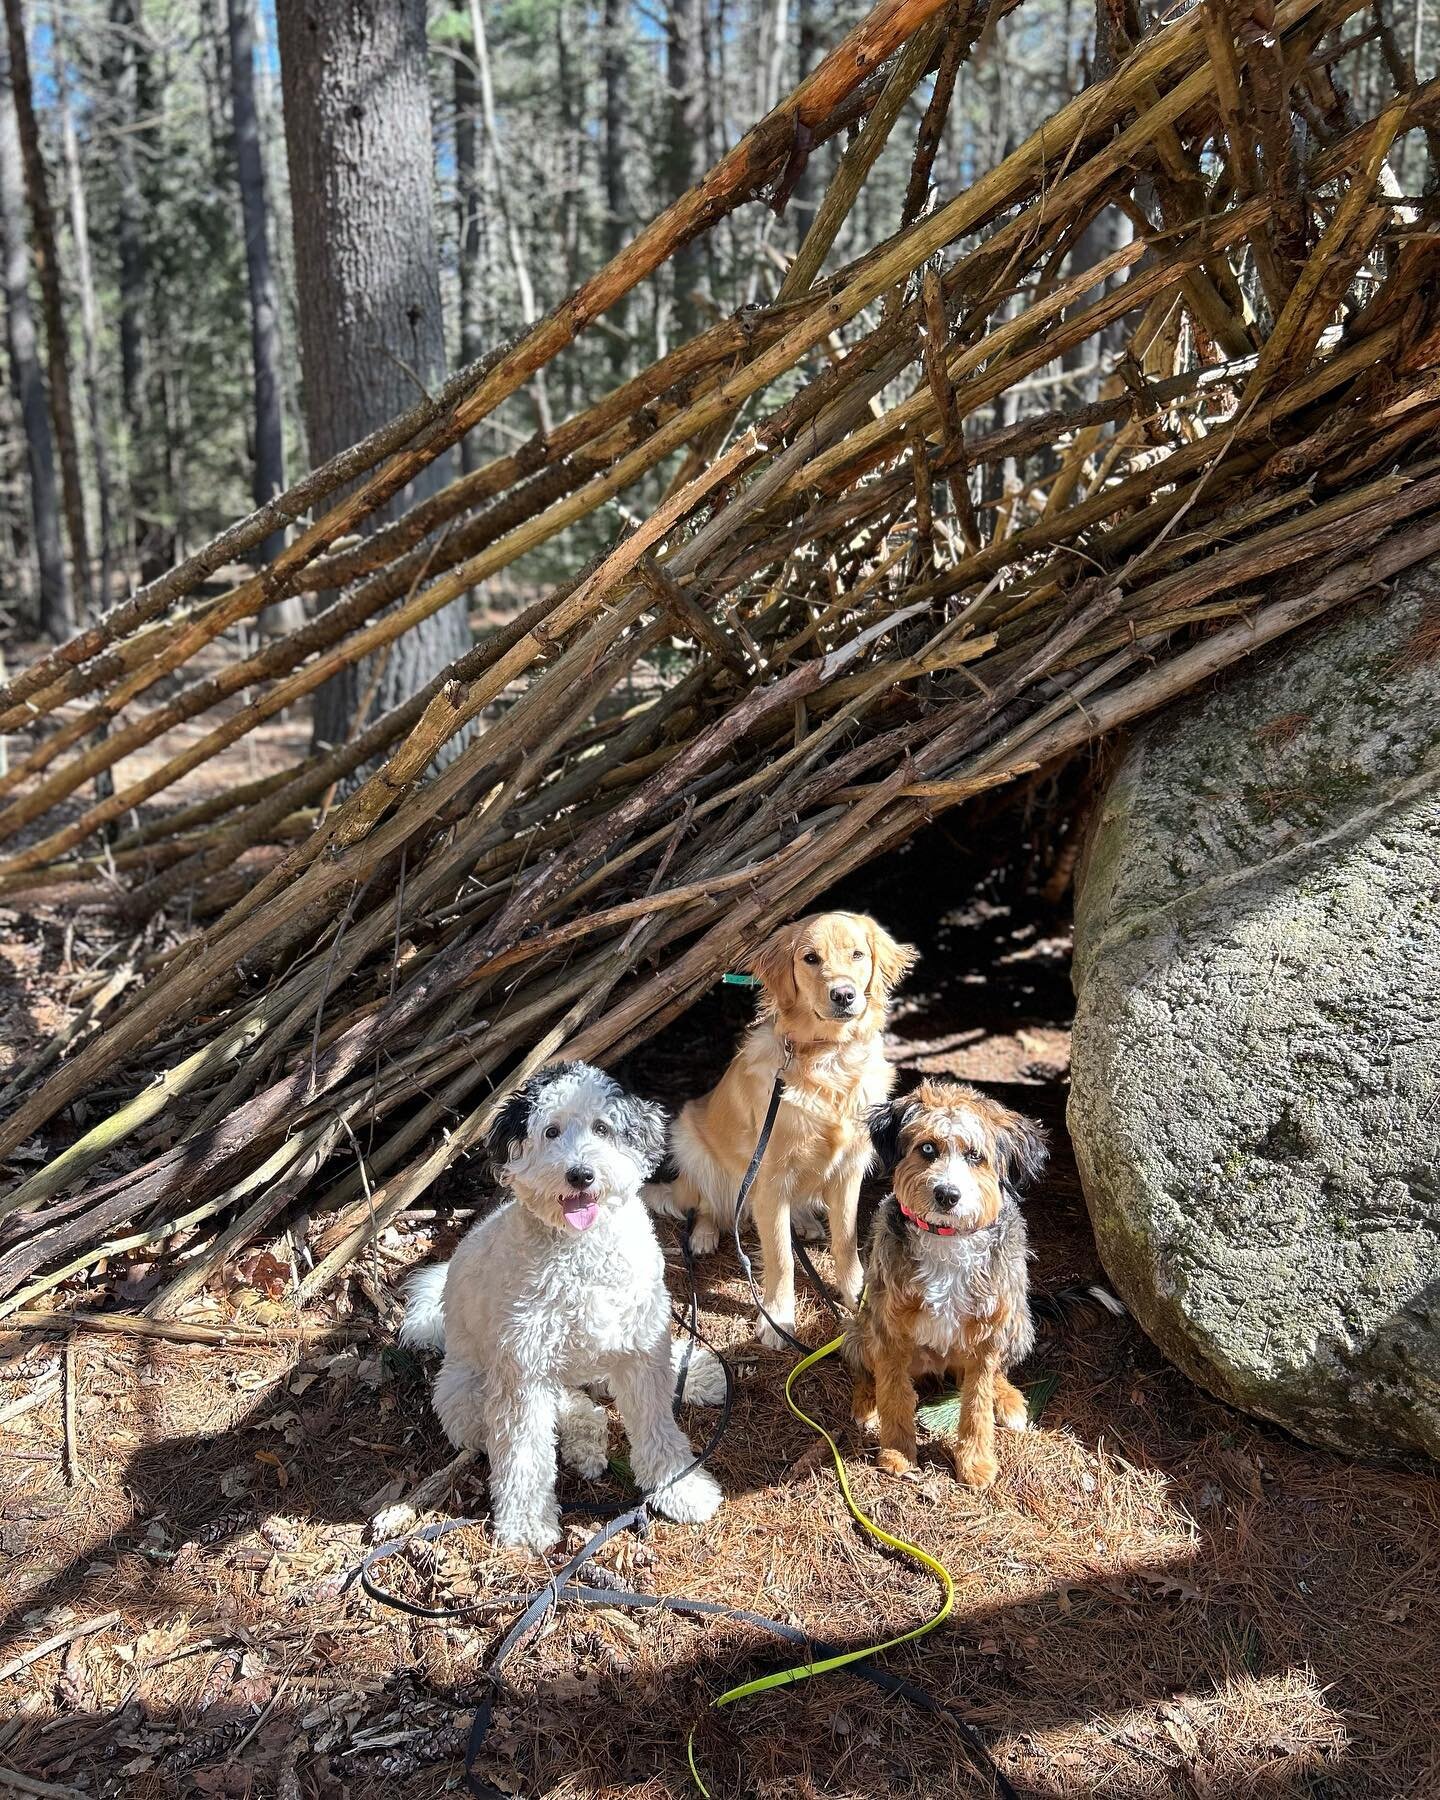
(892,962)
(773,965)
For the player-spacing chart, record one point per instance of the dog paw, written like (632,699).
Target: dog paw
(704,1379)
(893,1462)
(704,1237)
(689,1499)
(770,1336)
(1013,1414)
(976,1469)
(810,1224)
(589,1459)
(868,1421)
(537,1531)
(391,1522)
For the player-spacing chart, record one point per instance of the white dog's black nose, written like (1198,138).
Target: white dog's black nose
(945,1197)
(842,996)
(579,1175)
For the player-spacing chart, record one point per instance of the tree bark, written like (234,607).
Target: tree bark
(804,195)
(529,311)
(357,131)
(613,73)
(685,77)
(128,78)
(56,616)
(265,345)
(89,315)
(470,236)
(47,267)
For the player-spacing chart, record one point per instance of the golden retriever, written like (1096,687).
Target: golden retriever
(825,985)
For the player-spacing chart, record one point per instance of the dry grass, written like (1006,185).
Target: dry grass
(1158,1598)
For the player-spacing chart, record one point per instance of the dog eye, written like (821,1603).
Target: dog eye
(813,958)
(928,1151)
(601,1128)
(552,1131)
(974,1158)
(855,955)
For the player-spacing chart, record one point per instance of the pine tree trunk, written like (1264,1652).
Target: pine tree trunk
(684,75)
(47,267)
(469,242)
(127,77)
(89,316)
(56,617)
(265,346)
(804,196)
(357,130)
(529,311)
(613,73)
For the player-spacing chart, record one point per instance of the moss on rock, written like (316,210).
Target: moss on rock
(1256,1063)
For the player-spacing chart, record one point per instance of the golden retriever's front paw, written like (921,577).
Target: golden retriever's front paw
(868,1421)
(773,1336)
(893,1462)
(704,1236)
(976,1468)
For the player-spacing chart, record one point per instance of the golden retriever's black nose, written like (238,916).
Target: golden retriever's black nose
(579,1176)
(945,1197)
(843,996)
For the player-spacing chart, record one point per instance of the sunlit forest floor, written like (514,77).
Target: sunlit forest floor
(1158,1598)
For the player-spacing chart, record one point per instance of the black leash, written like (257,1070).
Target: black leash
(802,1255)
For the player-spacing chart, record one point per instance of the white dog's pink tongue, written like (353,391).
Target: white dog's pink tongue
(580,1211)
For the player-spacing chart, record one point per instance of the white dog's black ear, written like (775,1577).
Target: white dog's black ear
(512,1125)
(1020,1143)
(885,1124)
(645,1127)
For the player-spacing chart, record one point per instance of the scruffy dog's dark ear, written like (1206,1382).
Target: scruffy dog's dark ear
(511,1126)
(885,1123)
(645,1127)
(1022,1149)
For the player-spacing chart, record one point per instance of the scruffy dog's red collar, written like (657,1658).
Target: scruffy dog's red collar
(924,1224)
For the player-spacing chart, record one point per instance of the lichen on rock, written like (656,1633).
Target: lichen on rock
(1256,1063)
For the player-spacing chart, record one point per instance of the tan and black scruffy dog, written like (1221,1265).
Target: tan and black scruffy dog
(946,1290)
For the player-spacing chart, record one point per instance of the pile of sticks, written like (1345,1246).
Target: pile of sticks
(889,568)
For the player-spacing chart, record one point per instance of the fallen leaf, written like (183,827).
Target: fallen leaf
(282,1474)
(263,1271)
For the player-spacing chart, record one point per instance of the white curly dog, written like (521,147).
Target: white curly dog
(564,1286)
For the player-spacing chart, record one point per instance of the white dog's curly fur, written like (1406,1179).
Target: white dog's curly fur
(564,1286)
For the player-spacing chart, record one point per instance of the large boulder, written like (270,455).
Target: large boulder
(1256,1065)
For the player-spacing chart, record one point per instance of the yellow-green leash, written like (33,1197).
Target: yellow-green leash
(803,1671)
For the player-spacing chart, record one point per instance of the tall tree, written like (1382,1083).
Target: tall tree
(265,347)
(357,128)
(56,616)
(89,313)
(47,267)
(469,235)
(127,77)
(614,72)
(685,131)
(519,262)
